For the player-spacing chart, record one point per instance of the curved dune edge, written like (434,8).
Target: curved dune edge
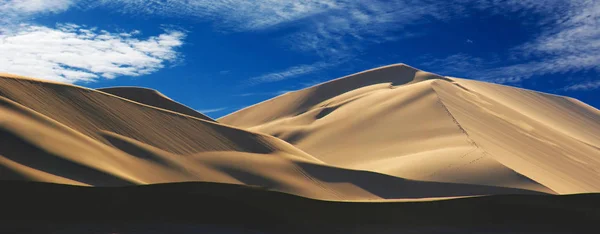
(153,98)
(403,122)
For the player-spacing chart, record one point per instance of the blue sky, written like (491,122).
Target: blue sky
(218,56)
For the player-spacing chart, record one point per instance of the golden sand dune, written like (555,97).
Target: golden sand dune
(407,123)
(382,151)
(67,134)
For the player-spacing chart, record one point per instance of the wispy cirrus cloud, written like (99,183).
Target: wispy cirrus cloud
(17,10)
(291,72)
(34,6)
(583,86)
(570,44)
(349,28)
(569,41)
(231,15)
(339,29)
(73,53)
(331,29)
(275,93)
(212,110)
(324,27)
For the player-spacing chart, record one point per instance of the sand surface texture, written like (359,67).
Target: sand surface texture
(389,133)
(400,121)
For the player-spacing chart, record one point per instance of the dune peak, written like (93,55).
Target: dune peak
(402,121)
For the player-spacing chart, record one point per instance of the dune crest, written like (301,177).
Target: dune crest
(154,98)
(404,122)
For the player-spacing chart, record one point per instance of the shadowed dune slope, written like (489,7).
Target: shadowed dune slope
(88,111)
(153,98)
(66,134)
(400,121)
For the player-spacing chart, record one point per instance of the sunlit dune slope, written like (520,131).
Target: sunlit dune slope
(404,122)
(62,133)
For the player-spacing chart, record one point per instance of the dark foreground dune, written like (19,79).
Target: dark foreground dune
(196,207)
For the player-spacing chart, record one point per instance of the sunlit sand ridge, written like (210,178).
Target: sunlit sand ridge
(400,121)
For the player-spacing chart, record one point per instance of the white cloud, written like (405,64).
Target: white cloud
(34,6)
(206,111)
(584,86)
(72,53)
(339,29)
(16,10)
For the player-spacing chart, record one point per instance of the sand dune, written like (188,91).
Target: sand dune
(388,150)
(400,121)
(388,133)
(72,135)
